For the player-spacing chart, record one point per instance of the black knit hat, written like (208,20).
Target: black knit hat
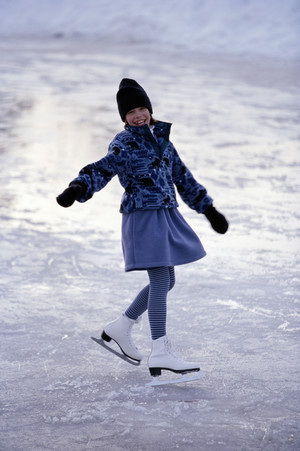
(131,95)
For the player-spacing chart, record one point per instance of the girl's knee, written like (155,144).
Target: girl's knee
(163,277)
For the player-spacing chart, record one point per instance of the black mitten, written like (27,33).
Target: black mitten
(69,195)
(217,220)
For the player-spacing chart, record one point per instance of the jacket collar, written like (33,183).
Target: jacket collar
(161,130)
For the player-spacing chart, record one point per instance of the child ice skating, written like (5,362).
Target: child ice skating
(155,237)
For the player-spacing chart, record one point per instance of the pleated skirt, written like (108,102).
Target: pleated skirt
(152,238)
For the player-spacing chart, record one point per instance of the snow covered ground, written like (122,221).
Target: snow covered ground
(236,125)
(268,27)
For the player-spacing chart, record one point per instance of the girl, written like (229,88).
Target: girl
(155,237)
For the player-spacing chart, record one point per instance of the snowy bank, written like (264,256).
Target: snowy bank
(241,27)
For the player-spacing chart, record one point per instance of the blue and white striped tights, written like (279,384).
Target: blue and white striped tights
(154,298)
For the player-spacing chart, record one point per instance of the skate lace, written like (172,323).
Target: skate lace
(129,335)
(168,346)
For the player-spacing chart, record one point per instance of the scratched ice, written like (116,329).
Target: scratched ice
(236,125)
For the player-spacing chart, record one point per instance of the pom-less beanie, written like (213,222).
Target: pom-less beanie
(131,95)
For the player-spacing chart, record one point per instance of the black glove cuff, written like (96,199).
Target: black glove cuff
(78,187)
(209,212)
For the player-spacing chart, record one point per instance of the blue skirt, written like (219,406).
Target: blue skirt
(152,238)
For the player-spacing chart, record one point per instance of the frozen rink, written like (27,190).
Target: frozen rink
(236,126)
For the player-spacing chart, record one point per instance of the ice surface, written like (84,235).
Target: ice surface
(236,125)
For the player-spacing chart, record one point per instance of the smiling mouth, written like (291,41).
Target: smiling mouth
(140,122)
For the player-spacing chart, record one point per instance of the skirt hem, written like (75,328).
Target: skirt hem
(144,267)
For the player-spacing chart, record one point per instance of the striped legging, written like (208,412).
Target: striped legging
(154,298)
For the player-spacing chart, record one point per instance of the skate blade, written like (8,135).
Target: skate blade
(187,377)
(122,356)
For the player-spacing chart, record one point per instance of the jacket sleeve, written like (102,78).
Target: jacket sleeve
(95,176)
(191,192)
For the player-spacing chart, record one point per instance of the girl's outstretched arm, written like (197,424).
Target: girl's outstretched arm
(195,195)
(93,177)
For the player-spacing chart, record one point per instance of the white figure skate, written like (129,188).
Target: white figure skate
(120,332)
(161,358)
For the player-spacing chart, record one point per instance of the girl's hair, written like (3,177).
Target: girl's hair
(152,121)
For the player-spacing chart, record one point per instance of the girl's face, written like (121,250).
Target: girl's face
(139,116)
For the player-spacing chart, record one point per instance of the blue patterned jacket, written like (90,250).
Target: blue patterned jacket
(148,166)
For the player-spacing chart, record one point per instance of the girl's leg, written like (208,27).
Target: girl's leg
(140,303)
(162,280)
(153,296)
(172,277)
(161,358)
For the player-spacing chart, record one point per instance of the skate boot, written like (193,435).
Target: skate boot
(161,358)
(120,331)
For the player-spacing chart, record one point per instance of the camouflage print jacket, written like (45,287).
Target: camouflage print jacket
(148,167)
